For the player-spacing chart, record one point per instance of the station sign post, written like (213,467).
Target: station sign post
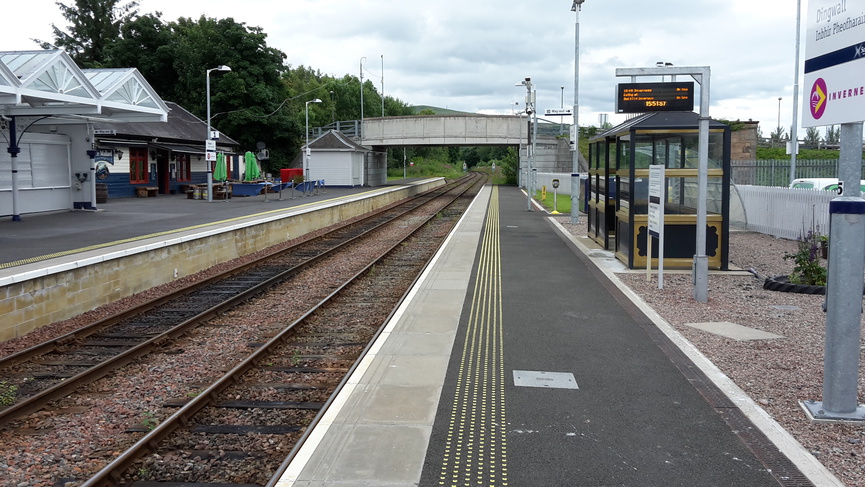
(835,94)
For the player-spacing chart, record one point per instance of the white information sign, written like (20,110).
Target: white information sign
(656,195)
(210,145)
(211,156)
(656,220)
(558,112)
(834,88)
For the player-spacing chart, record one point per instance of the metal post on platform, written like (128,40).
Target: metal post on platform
(532,132)
(306,151)
(575,170)
(13,151)
(844,291)
(209,145)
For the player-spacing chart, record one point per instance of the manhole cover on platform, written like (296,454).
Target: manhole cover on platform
(553,380)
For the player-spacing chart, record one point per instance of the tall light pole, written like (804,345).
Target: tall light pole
(793,130)
(209,143)
(306,152)
(360,129)
(575,136)
(779,118)
(530,150)
(382,85)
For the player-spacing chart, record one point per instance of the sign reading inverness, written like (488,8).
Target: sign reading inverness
(834,62)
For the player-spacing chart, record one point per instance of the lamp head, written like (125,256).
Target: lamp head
(576,5)
(223,67)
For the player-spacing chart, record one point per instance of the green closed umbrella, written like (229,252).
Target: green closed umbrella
(220,172)
(252,171)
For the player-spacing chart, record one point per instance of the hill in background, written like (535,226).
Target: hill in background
(438,110)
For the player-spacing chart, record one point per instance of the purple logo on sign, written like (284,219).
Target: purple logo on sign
(819,98)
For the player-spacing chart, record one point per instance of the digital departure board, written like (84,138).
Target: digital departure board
(655,97)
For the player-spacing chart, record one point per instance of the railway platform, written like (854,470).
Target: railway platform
(43,236)
(516,360)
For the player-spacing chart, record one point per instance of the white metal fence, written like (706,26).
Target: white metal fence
(777,211)
(785,212)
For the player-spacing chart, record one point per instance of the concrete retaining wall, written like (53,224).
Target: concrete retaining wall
(61,288)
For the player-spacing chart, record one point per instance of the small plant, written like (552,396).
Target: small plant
(7,393)
(149,420)
(295,358)
(807,268)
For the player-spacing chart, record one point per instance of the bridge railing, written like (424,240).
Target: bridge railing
(351,128)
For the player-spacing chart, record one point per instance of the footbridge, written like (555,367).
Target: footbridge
(552,153)
(444,130)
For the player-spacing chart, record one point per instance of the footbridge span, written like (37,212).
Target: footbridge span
(552,154)
(444,130)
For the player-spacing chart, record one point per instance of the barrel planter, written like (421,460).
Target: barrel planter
(101,193)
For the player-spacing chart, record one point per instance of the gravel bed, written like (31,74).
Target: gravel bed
(776,373)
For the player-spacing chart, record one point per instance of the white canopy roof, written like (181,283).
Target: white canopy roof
(47,83)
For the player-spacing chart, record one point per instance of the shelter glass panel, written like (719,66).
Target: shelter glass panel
(682,195)
(691,143)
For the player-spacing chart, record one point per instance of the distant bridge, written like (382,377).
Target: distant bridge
(552,153)
(441,130)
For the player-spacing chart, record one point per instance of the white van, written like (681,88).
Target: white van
(826,184)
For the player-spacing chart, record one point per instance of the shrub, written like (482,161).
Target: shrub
(808,269)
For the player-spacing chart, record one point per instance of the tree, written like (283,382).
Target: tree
(833,135)
(94,26)
(812,137)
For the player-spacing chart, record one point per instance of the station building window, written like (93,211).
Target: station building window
(138,167)
(184,168)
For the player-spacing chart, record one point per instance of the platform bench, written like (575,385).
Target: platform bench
(146,192)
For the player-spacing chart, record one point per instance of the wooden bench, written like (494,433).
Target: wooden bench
(146,192)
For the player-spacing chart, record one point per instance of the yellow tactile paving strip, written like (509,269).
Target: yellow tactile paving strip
(476,448)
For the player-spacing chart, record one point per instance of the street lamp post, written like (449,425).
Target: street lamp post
(779,119)
(575,165)
(530,151)
(306,152)
(209,143)
(360,129)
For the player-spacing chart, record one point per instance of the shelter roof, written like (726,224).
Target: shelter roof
(658,121)
(335,141)
(47,83)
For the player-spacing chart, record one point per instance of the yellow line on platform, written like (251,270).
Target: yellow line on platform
(476,448)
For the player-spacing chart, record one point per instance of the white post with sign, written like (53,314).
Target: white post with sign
(834,63)
(656,221)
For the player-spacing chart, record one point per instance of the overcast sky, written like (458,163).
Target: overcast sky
(468,54)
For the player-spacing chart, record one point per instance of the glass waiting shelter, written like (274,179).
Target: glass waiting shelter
(618,189)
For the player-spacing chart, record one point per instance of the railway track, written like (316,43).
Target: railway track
(275,394)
